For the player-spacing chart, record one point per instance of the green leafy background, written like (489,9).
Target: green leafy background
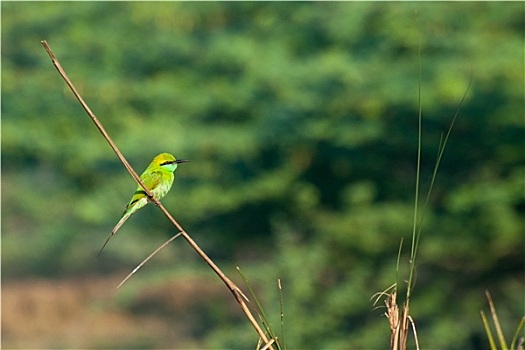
(300,121)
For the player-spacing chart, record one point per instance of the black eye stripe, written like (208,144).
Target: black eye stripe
(167,162)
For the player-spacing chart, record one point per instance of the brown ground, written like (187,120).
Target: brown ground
(88,313)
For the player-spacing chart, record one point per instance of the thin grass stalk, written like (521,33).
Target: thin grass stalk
(392,314)
(517,336)
(415,239)
(413,324)
(441,150)
(488,331)
(259,309)
(403,337)
(147,259)
(497,324)
(281,310)
(399,331)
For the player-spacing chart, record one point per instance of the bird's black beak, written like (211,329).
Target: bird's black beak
(178,161)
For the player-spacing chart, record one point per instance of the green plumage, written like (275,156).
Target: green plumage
(158,178)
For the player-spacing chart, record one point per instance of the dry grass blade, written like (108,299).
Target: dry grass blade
(382,294)
(147,259)
(392,314)
(268,344)
(413,324)
(521,344)
(399,321)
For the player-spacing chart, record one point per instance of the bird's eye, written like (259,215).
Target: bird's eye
(167,162)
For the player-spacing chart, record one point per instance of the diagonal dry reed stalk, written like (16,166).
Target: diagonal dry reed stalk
(237,293)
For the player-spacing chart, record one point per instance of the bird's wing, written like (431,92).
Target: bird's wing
(151,180)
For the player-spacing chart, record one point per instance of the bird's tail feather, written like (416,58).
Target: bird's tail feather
(115,229)
(121,222)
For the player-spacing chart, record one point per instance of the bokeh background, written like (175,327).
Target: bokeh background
(300,120)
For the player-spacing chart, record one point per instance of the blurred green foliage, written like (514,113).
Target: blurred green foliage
(300,120)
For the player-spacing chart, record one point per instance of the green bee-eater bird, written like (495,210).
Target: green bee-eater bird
(158,178)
